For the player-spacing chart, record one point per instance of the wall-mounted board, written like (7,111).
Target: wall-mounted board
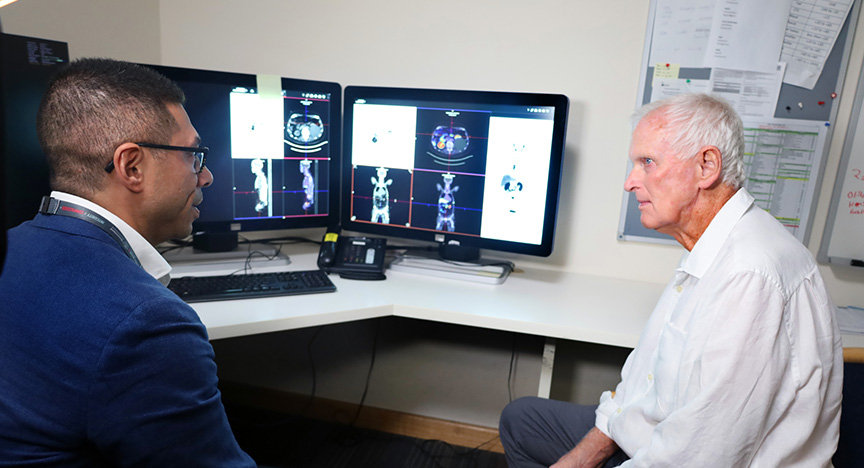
(785,154)
(843,241)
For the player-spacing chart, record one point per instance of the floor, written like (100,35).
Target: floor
(291,441)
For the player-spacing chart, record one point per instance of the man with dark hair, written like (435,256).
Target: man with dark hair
(100,364)
(740,364)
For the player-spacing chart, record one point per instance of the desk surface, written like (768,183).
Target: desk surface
(547,303)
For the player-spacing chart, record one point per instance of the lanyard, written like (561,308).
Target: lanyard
(53,206)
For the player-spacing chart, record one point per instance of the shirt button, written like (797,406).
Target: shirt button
(618,411)
(650,377)
(679,288)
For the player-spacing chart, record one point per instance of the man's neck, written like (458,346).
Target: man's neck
(116,204)
(707,205)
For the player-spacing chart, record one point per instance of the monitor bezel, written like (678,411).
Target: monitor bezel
(374,93)
(311,86)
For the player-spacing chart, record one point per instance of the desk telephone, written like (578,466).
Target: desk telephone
(359,258)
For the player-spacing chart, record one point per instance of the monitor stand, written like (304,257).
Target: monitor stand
(462,263)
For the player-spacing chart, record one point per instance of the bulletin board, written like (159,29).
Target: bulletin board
(801,124)
(843,241)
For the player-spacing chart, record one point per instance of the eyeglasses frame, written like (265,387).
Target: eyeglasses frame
(202,150)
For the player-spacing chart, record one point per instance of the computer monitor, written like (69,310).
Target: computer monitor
(465,169)
(27,65)
(274,151)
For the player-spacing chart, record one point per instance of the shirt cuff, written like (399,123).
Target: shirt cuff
(607,408)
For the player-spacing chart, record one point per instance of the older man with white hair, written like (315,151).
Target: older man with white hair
(740,364)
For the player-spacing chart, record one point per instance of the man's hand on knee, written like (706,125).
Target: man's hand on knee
(591,452)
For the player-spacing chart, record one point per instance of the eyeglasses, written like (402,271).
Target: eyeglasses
(199,152)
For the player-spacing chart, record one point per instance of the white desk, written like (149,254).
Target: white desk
(540,302)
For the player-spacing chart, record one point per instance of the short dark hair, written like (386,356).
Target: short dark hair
(95,105)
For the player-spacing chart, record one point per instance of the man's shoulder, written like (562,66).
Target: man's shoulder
(760,244)
(43,233)
(76,268)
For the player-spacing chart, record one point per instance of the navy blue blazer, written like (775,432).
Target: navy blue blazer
(100,364)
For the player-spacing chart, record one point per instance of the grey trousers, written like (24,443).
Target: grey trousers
(536,432)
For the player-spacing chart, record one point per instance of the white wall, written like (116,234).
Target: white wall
(121,29)
(588,50)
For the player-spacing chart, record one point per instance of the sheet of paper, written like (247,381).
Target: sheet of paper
(747,35)
(851,320)
(681,30)
(753,94)
(782,158)
(665,71)
(811,31)
(666,88)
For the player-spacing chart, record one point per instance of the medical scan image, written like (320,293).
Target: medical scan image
(304,129)
(308,184)
(446,204)
(262,185)
(381,197)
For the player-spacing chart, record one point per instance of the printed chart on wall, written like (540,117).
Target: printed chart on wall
(781,72)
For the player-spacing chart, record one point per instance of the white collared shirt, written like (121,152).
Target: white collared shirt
(151,261)
(740,364)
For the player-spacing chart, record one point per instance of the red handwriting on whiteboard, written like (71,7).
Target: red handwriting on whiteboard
(856,202)
(858,174)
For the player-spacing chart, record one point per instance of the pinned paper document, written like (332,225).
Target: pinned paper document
(811,32)
(665,71)
(665,88)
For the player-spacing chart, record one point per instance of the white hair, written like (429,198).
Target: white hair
(696,120)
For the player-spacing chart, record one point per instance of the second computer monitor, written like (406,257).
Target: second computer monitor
(468,168)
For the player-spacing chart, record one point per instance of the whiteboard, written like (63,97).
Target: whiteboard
(843,241)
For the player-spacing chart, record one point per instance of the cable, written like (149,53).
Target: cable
(418,443)
(293,417)
(369,373)
(176,244)
(312,370)
(510,373)
(352,436)
(247,264)
(287,240)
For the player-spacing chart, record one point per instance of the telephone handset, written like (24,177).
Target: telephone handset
(360,258)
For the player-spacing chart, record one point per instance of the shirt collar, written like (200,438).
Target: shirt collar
(151,261)
(709,244)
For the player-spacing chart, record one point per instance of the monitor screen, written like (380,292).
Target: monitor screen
(27,65)
(274,148)
(468,168)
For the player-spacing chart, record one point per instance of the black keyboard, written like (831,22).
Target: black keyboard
(220,288)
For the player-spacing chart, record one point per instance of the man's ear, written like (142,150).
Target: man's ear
(710,166)
(129,163)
